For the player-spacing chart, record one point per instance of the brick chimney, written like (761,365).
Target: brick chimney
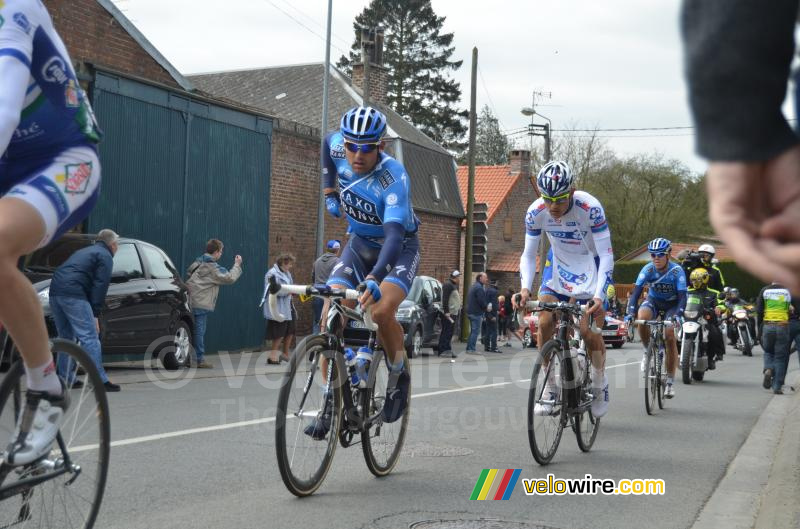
(372,48)
(520,160)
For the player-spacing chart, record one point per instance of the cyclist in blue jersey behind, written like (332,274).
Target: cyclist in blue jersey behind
(372,190)
(49,181)
(667,294)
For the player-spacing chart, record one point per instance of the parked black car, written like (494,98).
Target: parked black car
(419,314)
(146,308)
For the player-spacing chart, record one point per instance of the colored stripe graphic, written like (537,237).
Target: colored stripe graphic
(512,483)
(496,484)
(479,485)
(487,484)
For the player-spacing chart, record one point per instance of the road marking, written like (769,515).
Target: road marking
(242,424)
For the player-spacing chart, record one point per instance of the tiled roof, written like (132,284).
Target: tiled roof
(493,184)
(641,253)
(506,262)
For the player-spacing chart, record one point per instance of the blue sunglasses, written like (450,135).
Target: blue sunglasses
(366,148)
(658,254)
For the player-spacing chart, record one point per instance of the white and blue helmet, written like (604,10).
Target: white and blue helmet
(659,245)
(363,125)
(554,179)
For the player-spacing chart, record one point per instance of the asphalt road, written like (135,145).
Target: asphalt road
(203,455)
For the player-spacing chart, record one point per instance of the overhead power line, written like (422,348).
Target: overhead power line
(300,23)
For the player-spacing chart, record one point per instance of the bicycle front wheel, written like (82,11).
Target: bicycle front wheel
(650,381)
(586,424)
(661,378)
(78,461)
(382,442)
(304,448)
(545,404)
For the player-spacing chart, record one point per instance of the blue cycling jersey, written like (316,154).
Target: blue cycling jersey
(664,286)
(56,114)
(370,200)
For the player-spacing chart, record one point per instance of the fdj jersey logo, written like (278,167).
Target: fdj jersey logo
(360,209)
(54,70)
(570,277)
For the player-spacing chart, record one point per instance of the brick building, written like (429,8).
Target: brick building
(507,192)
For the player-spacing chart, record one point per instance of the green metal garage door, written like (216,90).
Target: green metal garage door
(178,171)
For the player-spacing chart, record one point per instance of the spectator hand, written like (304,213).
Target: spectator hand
(97,325)
(755,209)
(332,204)
(238,259)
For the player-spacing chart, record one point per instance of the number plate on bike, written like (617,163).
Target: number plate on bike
(357,324)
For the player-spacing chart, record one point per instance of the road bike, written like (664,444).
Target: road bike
(655,376)
(563,361)
(317,368)
(64,488)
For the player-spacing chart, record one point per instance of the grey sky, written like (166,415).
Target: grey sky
(611,64)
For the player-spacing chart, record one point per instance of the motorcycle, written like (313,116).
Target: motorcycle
(694,340)
(738,329)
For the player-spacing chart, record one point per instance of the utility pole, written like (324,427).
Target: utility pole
(323,129)
(470,192)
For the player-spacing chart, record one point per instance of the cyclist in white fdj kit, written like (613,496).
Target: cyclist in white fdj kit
(49,181)
(581,265)
(373,191)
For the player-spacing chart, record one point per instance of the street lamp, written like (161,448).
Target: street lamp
(531,111)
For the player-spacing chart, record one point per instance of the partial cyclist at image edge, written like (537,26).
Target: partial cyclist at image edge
(372,190)
(666,294)
(49,181)
(581,264)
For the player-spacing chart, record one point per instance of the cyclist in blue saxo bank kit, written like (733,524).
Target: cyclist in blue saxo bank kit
(372,190)
(666,294)
(49,181)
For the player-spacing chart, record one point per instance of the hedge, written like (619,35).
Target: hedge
(734,276)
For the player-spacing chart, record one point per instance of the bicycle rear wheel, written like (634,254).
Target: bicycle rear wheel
(586,424)
(650,380)
(544,431)
(303,461)
(382,442)
(70,499)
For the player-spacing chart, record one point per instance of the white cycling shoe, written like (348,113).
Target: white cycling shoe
(600,402)
(545,407)
(669,391)
(37,426)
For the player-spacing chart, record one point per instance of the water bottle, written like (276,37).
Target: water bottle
(350,362)
(363,360)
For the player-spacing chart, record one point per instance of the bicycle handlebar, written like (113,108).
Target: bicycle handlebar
(560,305)
(666,323)
(275,289)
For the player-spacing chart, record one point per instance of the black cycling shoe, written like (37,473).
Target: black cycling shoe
(321,424)
(396,397)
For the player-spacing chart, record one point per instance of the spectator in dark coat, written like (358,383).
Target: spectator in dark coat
(449,312)
(77,295)
(319,276)
(476,308)
(493,303)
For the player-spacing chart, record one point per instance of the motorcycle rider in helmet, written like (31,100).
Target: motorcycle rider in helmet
(699,279)
(716,281)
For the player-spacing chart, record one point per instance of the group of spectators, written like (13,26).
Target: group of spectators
(488,313)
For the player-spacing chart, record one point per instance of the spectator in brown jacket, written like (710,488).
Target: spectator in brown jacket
(205,277)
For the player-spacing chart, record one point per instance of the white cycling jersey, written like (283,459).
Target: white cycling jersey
(583,260)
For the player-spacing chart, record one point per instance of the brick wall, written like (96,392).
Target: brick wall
(439,241)
(92,35)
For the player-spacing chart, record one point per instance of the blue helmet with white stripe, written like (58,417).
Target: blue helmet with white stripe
(554,179)
(659,245)
(363,125)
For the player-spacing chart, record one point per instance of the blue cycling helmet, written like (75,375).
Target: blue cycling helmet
(554,179)
(363,125)
(659,245)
